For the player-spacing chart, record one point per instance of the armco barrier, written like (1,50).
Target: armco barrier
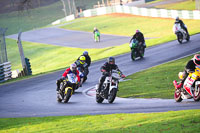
(5,71)
(151,12)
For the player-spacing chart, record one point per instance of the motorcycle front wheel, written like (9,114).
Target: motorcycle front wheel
(58,98)
(196,94)
(67,95)
(133,54)
(188,37)
(177,95)
(112,95)
(99,99)
(180,38)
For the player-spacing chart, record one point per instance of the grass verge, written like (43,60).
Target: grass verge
(185,5)
(159,30)
(158,81)
(172,121)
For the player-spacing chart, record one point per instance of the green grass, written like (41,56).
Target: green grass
(38,17)
(158,81)
(160,30)
(45,58)
(186,5)
(172,121)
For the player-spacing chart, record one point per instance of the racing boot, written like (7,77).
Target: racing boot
(177,86)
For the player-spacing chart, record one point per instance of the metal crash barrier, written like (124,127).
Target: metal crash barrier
(5,71)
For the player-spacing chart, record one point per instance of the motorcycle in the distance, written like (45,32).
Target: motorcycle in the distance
(97,36)
(109,88)
(68,87)
(136,50)
(190,88)
(180,33)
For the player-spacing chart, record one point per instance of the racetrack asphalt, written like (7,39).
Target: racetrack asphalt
(37,96)
(70,38)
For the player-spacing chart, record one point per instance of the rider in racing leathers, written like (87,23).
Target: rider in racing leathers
(71,69)
(87,58)
(140,38)
(106,69)
(181,24)
(82,67)
(190,67)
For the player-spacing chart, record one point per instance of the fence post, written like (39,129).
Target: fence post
(24,67)
(3,52)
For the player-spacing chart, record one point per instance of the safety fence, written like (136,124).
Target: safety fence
(5,71)
(150,12)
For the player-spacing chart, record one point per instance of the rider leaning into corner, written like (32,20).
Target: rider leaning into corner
(106,69)
(140,38)
(183,26)
(190,67)
(71,69)
(81,63)
(87,58)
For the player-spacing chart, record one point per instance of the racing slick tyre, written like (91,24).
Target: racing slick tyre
(112,95)
(196,94)
(177,95)
(67,95)
(99,99)
(133,54)
(58,98)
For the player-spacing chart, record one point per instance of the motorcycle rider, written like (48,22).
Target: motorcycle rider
(106,69)
(190,67)
(83,67)
(94,31)
(87,57)
(71,69)
(140,38)
(183,26)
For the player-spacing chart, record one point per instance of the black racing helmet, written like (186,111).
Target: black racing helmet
(111,60)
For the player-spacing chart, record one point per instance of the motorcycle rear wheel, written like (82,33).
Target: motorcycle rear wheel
(68,95)
(177,95)
(112,95)
(196,94)
(99,99)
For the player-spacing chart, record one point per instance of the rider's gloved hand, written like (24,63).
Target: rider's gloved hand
(123,76)
(102,70)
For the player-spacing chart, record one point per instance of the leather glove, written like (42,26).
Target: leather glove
(102,70)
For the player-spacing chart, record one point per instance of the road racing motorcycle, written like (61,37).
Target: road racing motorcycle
(180,33)
(136,50)
(68,87)
(97,36)
(109,88)
(190,88)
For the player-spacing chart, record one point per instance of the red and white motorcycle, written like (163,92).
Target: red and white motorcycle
(190,88)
